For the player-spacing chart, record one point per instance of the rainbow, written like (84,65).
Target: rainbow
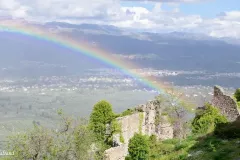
(83,48)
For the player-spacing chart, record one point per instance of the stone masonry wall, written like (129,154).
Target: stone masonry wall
(130,125)
(226,104)
(143,122)
(163,130)
(116,153)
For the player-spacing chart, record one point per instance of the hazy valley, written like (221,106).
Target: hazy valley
(37,77)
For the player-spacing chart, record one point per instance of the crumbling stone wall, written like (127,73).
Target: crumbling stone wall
(163,130)
(116,153)
(130,125)
(226,104)
(142,121)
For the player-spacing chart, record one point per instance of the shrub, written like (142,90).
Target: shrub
(158,148)
(127,112)
(101,115)
(228,130)
(206,121)
(82,140)
(237,94)
(138,147)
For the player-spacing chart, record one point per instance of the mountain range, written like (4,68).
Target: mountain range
(162,51)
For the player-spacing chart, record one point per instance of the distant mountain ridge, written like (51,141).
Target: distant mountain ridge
(161,51)
(113,30)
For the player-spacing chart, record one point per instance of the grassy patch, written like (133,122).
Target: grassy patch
(195,148)
(229,130)
(215,149)
(172,149)
(121,138)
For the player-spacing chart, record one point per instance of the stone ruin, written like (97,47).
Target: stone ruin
(225,103)
(143,121)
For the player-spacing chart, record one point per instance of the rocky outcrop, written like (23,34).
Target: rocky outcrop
(146,120)
(225,103)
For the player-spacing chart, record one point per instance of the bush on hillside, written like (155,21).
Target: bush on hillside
(228,130)
(101,115)
(158,149)
(138,148)
(237,94)
(206,121)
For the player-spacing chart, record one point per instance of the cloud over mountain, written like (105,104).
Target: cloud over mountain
(113,12)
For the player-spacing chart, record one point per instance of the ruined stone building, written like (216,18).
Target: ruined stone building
(139,122)
(225,103)
(145,122)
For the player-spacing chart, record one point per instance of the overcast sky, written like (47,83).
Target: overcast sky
(218,18)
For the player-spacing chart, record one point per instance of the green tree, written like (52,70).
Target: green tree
(207,119)
(101,115)
(84,143)
(138,147)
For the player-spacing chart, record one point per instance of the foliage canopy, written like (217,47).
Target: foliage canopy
(206,120)
(138,147)
(101,115)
